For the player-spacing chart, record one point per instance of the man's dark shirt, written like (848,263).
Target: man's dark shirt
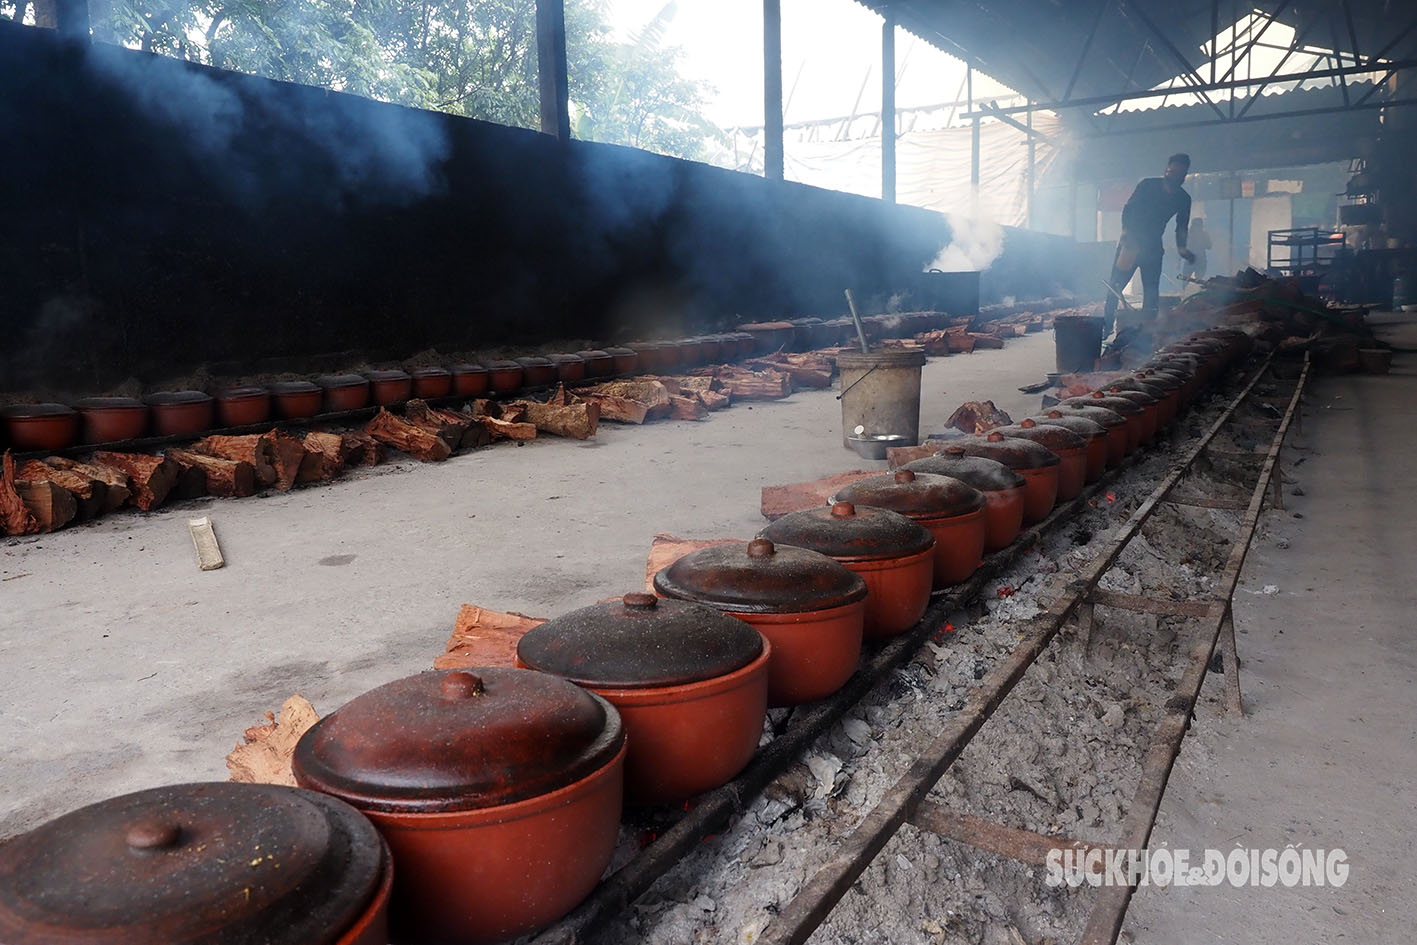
(1148,210)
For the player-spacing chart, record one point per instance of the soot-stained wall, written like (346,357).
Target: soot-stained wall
(158,216)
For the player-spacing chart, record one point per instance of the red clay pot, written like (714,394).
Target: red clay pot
(469,380)
(243,406)
(810,608)
(344,392)
(431,383)
(690,683)
(498,790)
(598,363)
(744,344)
(537,372)
(112,419)
(570,368)
(295,400)
(1114,423)
(652,356)
(1093,434)
(41,426)
(894,555)
(504,377)
(770,336)
(1069,447)
(389,387)
(1150,409)
(1002,487)
(952,510)
(1036,463)
(181,412)
(1132,411)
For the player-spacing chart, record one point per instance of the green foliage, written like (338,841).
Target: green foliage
(469,57)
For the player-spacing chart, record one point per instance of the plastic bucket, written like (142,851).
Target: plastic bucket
(1077,340)
(880,392)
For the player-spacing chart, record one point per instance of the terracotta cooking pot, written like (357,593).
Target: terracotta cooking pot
(295,400)
(1002,487)
(181,412)
(537,371)
(711,349)
(112,419)
(745,344)
(41,426)
(1036,463)
(469,379)
(894,555)
(1118,430)
(389,387)
(498,790)
(218,862)
(1069,447)
(625,360)
(952,510)
(598,363)
(504,376)
(690,683)
(1132,411)
(1150,406)
(431,383)
(344,392)
(570,368)
(1093,433)
(243,406)
(811,609)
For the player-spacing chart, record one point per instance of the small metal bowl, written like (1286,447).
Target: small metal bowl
(874,447)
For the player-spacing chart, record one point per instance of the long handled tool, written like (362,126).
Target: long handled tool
(856,317)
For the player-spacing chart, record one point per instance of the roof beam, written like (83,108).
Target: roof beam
(991,110)
(1269,21)
(1102,6)
(1188,70)
(1269,116)
(1392,67)
(1294,47)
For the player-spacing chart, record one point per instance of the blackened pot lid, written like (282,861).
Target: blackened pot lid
(242,393)
(173,398)
(1103,415)
(389,375)
(641,642)
(459,740)
(469,367)
(342,380)
(219,863)
(761,578)
(1013,452)
(918,495)
(432,371)
(109,403)
(1098,399)
(984,474)
(1081,425)
(294,387)
(852,532)
(1052,436)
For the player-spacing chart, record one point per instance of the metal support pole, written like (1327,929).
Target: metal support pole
(974,133)
(1029,179)
(772,90)
(551,68)
(888,108)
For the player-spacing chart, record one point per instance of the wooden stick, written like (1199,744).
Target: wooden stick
(117,485)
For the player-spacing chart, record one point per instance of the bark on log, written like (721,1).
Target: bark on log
(287,453)
(687,408)
(484,637)
(976,417)
(15,517)
(361,449)
(982,340)
(410,438)
(227,478)
(620,409)
(756,385)
(508,430)
(446,425)
(152,476)
(52,506)
(117,485)
(90,494)
(254,448)
(324,457)
(959,342)
(777,501)
(713,399)
(191,484)
(264,755)
(647,391)
(578,421)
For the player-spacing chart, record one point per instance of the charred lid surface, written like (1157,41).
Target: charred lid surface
(294,387)
(129,403)
(389,375)
(984,474)
(172,398)
(1102,415)
(761,578)
(343,380)
(221,863)
(1013,452)
(641,642)
(919,495)
(850,531)
(459,740)
(1076,422)
(1049,435)
(1098,399)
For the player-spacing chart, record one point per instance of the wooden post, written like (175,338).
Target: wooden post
(772,90)
(888,107)
(551,68)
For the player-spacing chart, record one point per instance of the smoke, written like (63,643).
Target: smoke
(973,247)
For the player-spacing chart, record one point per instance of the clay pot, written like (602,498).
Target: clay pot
(625,360)
(1002,487)
(690,683)
(389,387)
(180,412)
(41,426)
(431,383)
(504,377)
(570,368)
(1150,406)
(1132,411)
(296,400)
(673,353)
(711,349)
(952,510)
(1093,434)
(344,392)
(1036,463)
(537,371)
(469,380)
(744,344)
(243,406)
(810,609)
(218,862)
(112,419)
(498,790)
(769,336)
(1118,430)
(894,555)
(1069,447)
(652,357)
(598,363)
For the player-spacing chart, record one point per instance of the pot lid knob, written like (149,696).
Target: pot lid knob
(1055,414)
(639,600)
(1028,423)
(953,449)
(461,686)
(761,548)
(994,437)
(1097,395)
(904,476)
(148,835)
(843,510)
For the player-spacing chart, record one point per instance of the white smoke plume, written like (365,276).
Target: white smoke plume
(975,242)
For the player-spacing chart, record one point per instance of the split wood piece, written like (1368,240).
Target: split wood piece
(647,390)
(191,484)
(471,435)
(976,417)
(713,399)
(578,421)
(52,506)
(204,540)
(227,478)
(667,549)
(117,485)
(808,374)
(287,453)
(412,439)
(90,494)
(936,343)
(508,430)
(448,427)
(756,385)
(254,448)
(361,449)
(265,752)
(778,501)
(687,408)
(983,340)
(619,409)
(900,455)
(324,457)
(483,637)
(15,518)
(1025,846)
(152,476)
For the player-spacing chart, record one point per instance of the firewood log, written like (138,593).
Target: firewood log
(254,448)
(446,425)
(152,476)
(619,409)
(52,506)
(756,385)
(227,478)
(713,399)
(976,417)
(90,495)
(687,408)
(484,637)
(412,439)
(649,392)
(361,449)
(578,421)
(778,501)
(898,456)
(264,755)
(15,517)
(191,484)
(117,485)
(287,453)
(324,458)
(984,340)
(508,430)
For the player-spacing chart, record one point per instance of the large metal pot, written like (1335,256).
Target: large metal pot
(953,511)
(1003,490)
(498,790)
(1069,447)
(219,863)
(690,683)
(894,555)
(810,608)
(1036,463)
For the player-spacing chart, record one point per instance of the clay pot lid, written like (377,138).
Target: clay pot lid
(26,411)
(1142,397)
(342,380)
(503,364)
(393,374)
(109,403)
(918,495)
(1082,426)
(1166,381)
(984,474)
(220,863)
(565,358)
(845,530)
(532,361)
(593,353)
(761,578)
(294,387)
(1178,370)
(242,393)
(459,740)
(1115,404)
(620,352)
(1085,408)
(640,642)
(1135,386)
(430,371)
(177,398)
(467,367)
(1052,436)
(1012,451)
